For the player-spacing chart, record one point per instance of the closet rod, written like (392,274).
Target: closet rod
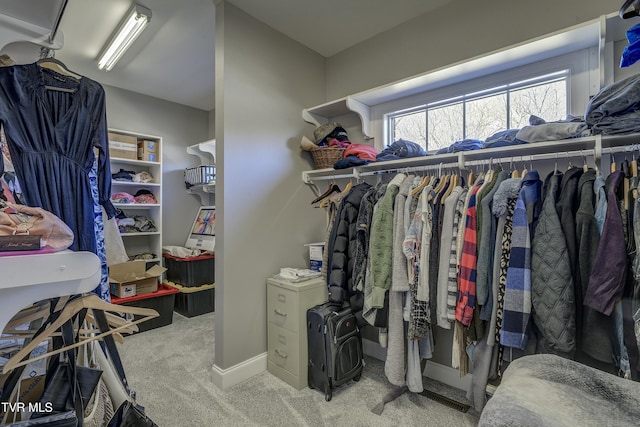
(461,163)
(56,23)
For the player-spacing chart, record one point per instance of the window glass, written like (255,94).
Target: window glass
(482,113)
(411,127)
(445,125)
(485,116)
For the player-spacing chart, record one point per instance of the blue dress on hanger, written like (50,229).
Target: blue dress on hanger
(51,136)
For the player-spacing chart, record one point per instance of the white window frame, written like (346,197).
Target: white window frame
(583,71)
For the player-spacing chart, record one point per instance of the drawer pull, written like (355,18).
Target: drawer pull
(280,313)
(281,353)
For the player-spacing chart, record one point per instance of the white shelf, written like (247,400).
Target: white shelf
(57,274)
(206,152)
(135,184)
(119,160)
(206,188)
(141,242)
(136,205)
(149,233)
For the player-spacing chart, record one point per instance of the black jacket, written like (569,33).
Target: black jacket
(342,245)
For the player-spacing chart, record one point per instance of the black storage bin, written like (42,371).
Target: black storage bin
(162,301)
(194,301)
(190,271)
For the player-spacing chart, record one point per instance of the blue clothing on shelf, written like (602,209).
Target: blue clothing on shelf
(467,144)
(503,138)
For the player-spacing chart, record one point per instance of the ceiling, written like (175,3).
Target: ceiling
(173,59)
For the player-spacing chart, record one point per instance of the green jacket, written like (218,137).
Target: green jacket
(381,245)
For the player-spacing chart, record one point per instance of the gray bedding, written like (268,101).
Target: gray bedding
(548,390)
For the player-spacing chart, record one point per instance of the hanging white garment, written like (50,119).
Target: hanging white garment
(114,245)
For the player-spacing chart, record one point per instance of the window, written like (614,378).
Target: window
(480,114)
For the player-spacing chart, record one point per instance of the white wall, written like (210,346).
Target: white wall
(179,126)
(460,30)
(263,81)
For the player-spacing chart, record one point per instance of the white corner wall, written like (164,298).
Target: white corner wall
(263,81)
(179,126)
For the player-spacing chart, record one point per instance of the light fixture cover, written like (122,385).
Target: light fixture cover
(128,30)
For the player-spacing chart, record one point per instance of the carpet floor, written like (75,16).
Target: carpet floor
(170,369)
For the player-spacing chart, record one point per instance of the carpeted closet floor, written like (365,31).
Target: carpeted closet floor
(170,370)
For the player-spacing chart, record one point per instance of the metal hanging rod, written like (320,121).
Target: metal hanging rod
(56,22)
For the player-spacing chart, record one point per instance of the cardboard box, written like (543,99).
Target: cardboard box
(148,151)
(119,137)
(315,255)
(122,150)
(132,278)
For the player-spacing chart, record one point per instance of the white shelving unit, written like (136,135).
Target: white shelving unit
(141,242)
(206,152)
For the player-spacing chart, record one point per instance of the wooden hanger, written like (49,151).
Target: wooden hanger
(347,188)
(453,184)
(72,308)
(57,66)
(418,188)
(440,187)
(332,189)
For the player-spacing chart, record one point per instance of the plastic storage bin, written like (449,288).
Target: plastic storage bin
(194,301)
(190,271)
(161,301)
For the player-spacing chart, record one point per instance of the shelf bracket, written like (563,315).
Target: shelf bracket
(597,150)
(461,165)
(364,112)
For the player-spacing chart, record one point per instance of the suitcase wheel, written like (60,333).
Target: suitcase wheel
(357,377)
(327,393)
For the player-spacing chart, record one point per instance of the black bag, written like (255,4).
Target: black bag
(334,347)
(130,415)
(58,389)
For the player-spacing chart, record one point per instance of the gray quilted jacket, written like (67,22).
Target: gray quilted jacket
(552,292)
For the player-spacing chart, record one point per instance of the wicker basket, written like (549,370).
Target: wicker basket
(325,157)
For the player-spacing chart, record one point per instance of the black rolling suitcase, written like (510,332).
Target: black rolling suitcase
(335,347)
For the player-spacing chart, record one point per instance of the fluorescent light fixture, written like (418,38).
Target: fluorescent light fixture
(128,30)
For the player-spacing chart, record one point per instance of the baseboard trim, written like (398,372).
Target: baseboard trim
(225,378)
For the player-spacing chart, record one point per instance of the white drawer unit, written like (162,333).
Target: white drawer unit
(287,305)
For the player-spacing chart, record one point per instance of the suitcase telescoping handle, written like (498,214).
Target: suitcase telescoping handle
(280,313)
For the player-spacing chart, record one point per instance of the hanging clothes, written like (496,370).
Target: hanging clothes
(552,288)
(51,136)
(467,275)
(342,244)
(593,337)
(517,297)
(607,278)
(381,246)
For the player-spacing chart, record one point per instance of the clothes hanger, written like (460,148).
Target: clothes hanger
(613,163)
(453,184)
(72,308)
(59,67)
(629,9)
(347,188)
(332,188)
(426,179)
